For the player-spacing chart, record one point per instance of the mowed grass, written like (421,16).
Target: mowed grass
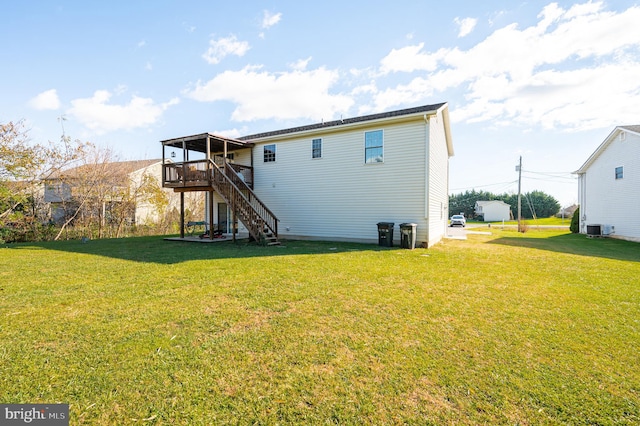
(508,328)
(541,221)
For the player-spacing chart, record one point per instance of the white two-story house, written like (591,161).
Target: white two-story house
(609,185)
(330,181)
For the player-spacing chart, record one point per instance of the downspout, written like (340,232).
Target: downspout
(209,193)
(582,202)
(426,175)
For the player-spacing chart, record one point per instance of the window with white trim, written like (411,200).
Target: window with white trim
(373,147)
(270,153)
(316,148)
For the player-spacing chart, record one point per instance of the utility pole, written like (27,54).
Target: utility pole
(519,170)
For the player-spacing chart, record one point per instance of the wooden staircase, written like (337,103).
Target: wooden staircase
(261,223)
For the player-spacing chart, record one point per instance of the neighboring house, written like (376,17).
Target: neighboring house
(567,212)
(330,181)
(609,183)
(493,211)
(109,189)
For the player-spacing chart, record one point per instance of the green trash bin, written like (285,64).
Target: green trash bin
(385,234)
(408,235)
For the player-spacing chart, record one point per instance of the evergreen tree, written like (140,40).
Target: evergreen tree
(575,221)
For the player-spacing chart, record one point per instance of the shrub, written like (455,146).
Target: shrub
(575,222)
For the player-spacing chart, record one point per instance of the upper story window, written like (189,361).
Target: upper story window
(619,172)
(270,153)
(373,147)
(316,148)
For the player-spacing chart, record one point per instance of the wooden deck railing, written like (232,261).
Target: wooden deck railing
(198,172)
(188,174)
(234,183)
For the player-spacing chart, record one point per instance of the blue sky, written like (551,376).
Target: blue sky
(547,81)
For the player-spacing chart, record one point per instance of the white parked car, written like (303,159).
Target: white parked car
(458,219)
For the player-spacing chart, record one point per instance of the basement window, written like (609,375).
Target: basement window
(619,172)
(270,153)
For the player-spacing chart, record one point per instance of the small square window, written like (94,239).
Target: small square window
(270,153)
(316,148)
(619,172)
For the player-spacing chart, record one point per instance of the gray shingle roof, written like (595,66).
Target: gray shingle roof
(407,111)
(116,166)
(632,128)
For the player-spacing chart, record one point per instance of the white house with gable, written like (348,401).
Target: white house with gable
(328,181)
(493,210)
(609,185)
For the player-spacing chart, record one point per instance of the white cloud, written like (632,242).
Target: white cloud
(264,95)
(98,115)
(365,89)
(409,59)
(270,19)
(465,25)
(233,133)
(300,64)
(189,28)
(218,49)
(417,90)
(573,69)
(47,100)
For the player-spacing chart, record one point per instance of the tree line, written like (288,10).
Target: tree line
(534,204)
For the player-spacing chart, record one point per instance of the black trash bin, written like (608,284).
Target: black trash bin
(408,235)
(385,234)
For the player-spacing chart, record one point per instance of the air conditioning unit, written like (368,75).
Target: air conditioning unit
(599,230)
(594,230)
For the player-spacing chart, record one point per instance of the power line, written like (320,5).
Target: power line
(554,175)
(551,173)
(552,180)
(483,186)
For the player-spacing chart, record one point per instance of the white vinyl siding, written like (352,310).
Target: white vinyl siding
(608,201)
(437,180)
(338,198)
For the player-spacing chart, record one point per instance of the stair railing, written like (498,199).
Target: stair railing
(255,215)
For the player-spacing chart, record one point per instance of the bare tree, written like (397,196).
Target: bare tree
(23,166)
(84,190)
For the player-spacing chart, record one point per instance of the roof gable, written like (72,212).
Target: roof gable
(635,128)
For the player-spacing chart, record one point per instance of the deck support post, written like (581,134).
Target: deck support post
(182,215)
(233,221)
(210,215)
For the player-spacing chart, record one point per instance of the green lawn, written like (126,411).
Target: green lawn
(508,328)
(546,221)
